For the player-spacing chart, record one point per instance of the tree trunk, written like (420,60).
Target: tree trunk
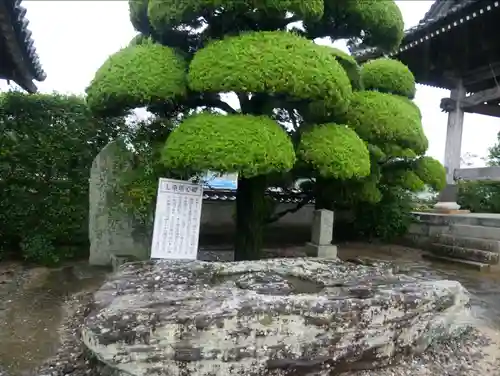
(250,215)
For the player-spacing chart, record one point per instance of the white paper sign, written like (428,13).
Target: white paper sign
(177,220)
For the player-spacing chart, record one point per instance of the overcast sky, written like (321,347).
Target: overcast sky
(73,38)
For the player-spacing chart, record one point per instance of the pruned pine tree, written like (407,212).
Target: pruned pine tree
(304,109)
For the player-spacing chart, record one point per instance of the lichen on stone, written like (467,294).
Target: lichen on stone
(265,317)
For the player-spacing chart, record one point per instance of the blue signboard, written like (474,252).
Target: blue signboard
(215,181)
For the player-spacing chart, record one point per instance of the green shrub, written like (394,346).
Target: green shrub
(48,143)
(385,220)
(479,196)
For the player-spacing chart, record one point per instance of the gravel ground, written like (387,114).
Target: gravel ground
(475,353)
(71,358)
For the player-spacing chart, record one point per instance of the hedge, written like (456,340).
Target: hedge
(48,143)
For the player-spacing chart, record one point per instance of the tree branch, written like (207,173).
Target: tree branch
(290,20)
(299,206)
(293,118)
(243,98)
(214,101)
(220,104)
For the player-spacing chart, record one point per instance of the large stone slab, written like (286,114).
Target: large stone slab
(277,317)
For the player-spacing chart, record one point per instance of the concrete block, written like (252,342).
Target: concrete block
(438,230)
(419,229)
(492,233)
(464,263)
(469,242)
(464,253)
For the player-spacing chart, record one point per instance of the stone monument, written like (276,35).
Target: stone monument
(112,231)
(322,235)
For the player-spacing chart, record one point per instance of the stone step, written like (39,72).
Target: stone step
(482,232)
(444,250)
(470,242)
(465,263)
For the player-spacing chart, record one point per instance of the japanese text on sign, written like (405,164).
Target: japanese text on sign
(177,220)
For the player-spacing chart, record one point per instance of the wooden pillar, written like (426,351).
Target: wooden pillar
(453,149)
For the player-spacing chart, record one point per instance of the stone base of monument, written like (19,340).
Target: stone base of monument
(322,235)
(323,251)
(439,206)
(119,260)
(447,201)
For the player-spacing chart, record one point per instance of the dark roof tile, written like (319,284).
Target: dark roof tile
(230,195)
(24,37)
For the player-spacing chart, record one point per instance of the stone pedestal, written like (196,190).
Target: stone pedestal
(447,199)
(322,235)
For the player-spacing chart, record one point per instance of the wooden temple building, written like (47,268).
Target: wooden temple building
(19,61)
(455,47)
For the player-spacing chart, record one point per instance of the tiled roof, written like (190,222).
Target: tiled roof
(20,36)
(230,195)
(440,8)
(433,24)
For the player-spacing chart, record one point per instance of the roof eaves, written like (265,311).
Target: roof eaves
(25,40)
(439,9)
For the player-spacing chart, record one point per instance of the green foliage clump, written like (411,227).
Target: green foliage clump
(48,143)
(271,62)
(381,118)
(170,13)
(431,172)
(368,191)
(406,179)
(138,13)
(411,105)
(388,76)
(381,21)
(376,22)
(137,76)
(350,65)
(249,145)
(396,151)
(138,40)
(335,151)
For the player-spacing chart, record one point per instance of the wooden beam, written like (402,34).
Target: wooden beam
(484,109)
(477,174)
(481,74)
(473,102)
(481,97)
